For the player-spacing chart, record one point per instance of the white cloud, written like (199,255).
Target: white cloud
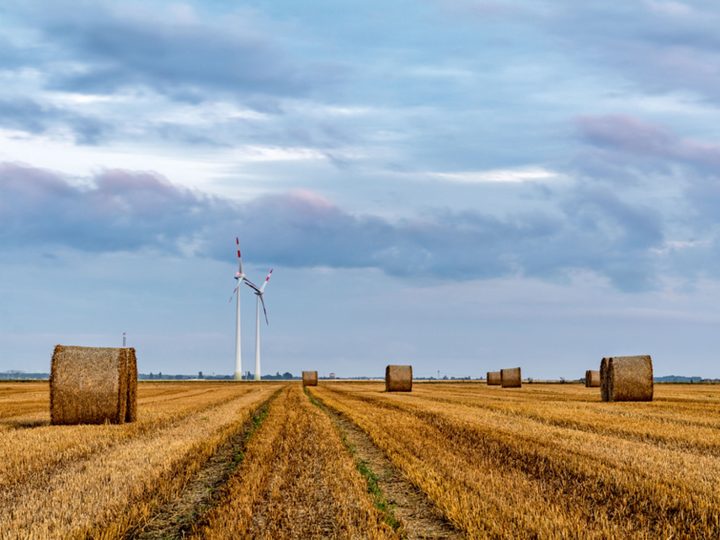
(511,175)
(258,153)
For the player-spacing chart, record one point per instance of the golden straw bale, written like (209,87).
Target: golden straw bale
(131,359)
(398,378)
(628,378)
(510,378)
(310,378)
(93,385)
(592,378)
(493,378)
(603,379)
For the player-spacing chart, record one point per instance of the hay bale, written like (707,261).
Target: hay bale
(398,378)
(493,378)
(510,378)
(93,385)
(627,378)
(603,379)
(310,378)
(131,408)
(592,378)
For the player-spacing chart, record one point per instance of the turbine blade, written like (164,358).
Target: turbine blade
(252,286)
(262,301)
(267,280)
(235,290)
(239,255)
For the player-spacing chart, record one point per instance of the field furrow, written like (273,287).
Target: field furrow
(223,460)
(297,480)
(109,477)
(659,422)
(490,471)
(33,454)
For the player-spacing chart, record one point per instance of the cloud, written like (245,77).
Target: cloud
(632,135)
(131,211)
(520,174)
(118,211)
(663,46)
(107,47)
(33,117)
(679,176)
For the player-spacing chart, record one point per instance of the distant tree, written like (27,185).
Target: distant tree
(200,375)
(287,375)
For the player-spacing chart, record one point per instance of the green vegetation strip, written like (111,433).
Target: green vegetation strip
(373,487)
(253,425)
(178,516)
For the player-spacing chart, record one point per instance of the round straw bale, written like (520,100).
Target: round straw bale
(604,379)
(629,378)
(592,378)
(493,378)
(310,378)
(93,385)
(510,378)
(398,378)
(131,359)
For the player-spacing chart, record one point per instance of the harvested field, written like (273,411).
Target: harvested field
(297,481)
(89,480)
(551,460)
(346,460)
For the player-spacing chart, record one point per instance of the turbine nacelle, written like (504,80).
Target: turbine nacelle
(260,293)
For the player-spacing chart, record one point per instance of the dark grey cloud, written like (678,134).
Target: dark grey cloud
(118,211)
(129,211)
(180,56)
(33,117)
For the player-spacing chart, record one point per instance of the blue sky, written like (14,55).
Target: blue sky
(460,185)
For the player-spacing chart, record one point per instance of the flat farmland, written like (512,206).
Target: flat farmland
(348,460)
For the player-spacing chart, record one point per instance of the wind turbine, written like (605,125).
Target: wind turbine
(259,299)
(240,277)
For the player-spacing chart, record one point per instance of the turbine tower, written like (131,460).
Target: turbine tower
(259,299)
(240,278)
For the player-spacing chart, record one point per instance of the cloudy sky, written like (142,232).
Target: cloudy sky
(462,185)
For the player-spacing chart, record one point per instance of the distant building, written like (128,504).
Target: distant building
(331,376)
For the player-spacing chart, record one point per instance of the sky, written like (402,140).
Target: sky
(462,185)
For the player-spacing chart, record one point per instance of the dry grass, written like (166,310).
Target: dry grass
(551,460)
(73,481)
(296,481)
(542,461)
